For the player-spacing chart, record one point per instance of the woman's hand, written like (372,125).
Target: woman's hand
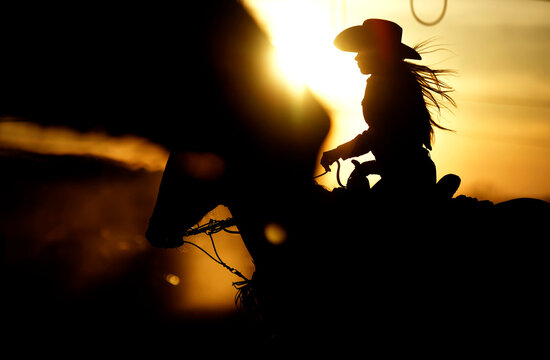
(329,157)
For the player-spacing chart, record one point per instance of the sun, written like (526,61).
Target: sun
(302,33)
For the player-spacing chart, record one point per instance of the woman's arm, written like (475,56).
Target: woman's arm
(360,145)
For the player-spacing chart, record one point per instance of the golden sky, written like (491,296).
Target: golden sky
(500,50)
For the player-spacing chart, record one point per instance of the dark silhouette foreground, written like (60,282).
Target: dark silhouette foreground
(441,274)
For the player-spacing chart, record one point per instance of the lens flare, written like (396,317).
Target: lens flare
(172,279)
(275,233)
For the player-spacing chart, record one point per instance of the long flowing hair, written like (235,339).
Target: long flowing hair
(435,91)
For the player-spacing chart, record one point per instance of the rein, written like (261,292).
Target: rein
(337,174)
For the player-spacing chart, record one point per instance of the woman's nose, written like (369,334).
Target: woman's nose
(357,57)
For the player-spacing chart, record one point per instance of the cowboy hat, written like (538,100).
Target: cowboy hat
(376,34)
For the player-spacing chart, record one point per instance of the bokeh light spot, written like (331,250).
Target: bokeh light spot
(275,233)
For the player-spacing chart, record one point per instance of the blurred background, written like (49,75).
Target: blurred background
(75,205)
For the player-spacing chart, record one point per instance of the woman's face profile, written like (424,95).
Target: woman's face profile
(372,62)
(367,61)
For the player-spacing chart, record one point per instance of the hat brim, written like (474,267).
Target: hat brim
(355,39)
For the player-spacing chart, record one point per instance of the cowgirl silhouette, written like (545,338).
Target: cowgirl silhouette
(400,128)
